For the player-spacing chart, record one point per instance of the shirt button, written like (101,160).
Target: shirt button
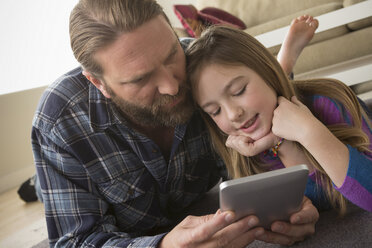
(131,191)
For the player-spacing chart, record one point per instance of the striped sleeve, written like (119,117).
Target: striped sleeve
(357,186)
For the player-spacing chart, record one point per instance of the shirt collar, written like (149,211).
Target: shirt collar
(101,110)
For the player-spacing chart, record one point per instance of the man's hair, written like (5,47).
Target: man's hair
(95,24)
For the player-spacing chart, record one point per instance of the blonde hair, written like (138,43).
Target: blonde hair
(228,46)
(95,24)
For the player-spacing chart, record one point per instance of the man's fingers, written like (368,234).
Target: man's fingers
(307,214)
(238,234)
(302,224)
(220,231)
(295,232)
(211,224)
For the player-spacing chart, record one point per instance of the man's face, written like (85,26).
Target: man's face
(144,74)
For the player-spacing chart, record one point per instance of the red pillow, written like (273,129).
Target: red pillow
(195,21)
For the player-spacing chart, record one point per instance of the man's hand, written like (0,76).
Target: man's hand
(302,224)
(218,230)
(248,147)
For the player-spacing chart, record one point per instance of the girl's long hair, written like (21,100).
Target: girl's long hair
(228,46)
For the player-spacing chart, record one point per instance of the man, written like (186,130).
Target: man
(119,151)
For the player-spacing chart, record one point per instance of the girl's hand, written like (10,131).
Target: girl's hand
(292,120)
(248,147)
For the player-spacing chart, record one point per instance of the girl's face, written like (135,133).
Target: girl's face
(237,99)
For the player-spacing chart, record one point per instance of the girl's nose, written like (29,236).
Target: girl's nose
(235,113)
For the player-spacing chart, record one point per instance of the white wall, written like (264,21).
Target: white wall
(16,159)
(34,43)
(34,51)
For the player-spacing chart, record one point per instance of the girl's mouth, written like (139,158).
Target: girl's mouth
(250,124)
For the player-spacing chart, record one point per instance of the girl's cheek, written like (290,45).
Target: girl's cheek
(224,127)
(219,124)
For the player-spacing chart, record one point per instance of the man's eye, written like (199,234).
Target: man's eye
(141,79)
(240,91)
(170,60)
(138,80)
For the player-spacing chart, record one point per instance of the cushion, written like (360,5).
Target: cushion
(218,16)
(366,22)
(255,12)
(188,16)
(286,20)
(195,21)
(362,87)
(330,52)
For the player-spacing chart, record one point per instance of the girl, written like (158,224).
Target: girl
(269,122)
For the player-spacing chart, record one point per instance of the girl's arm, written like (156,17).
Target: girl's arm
(294,121)
(327,149)
(349,169)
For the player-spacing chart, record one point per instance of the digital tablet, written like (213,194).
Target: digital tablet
(271,196)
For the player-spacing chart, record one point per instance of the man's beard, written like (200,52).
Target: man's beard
(157,114)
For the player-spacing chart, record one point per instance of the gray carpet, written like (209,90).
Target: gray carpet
(352,231)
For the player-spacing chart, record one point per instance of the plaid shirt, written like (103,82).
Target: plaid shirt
(103,183)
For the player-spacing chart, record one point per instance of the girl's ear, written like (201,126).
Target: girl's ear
(97,82)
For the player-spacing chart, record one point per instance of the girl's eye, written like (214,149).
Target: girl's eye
(240,91)
(215,113)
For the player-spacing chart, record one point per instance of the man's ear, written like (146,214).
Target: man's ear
(97,82)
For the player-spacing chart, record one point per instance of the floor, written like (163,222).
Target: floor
(22,225)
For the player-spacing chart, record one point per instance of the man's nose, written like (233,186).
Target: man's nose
(167,83)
